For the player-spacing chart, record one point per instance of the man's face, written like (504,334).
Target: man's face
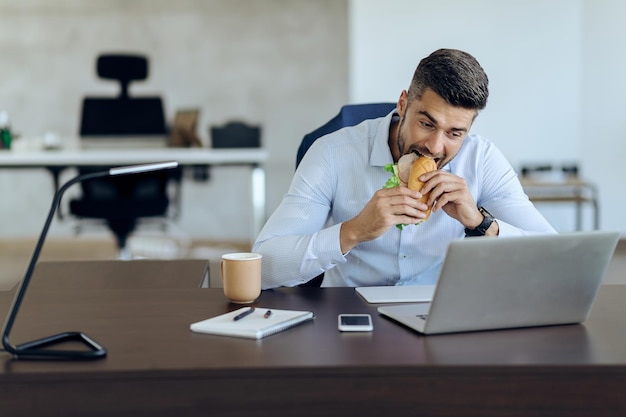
(432,127)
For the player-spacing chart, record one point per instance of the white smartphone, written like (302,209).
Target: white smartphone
(355,323)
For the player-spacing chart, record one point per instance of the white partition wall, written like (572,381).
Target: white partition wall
(556,77)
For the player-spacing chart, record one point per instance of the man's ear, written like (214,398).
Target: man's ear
(402,103)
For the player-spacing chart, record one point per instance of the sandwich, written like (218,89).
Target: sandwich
(406,173)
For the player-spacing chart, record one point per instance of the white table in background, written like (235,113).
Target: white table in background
(55,161)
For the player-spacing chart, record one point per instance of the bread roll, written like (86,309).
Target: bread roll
(421,165)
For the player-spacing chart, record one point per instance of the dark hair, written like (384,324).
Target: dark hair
(454,75)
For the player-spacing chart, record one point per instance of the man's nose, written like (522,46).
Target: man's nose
(435,143)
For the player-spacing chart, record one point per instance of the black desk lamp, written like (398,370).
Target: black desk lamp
(37,349)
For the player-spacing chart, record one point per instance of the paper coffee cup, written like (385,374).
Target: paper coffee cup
(241,276)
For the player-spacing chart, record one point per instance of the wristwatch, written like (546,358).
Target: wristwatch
(481,229)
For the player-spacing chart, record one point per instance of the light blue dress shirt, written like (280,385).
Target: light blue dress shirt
(338,176)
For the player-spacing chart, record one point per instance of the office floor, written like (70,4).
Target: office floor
(15,254)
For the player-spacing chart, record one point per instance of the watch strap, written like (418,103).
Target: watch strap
(481,229)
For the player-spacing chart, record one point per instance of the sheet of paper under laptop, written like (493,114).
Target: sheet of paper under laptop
(399,294)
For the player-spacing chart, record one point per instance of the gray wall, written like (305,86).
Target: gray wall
(279,63)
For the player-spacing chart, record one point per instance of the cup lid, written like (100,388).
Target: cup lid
(242,256)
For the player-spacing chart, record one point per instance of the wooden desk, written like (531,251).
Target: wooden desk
(570,191)
(157,367)
(56,161)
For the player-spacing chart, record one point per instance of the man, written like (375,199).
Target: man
(337,219)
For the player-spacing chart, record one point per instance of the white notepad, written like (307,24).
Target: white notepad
(254,325)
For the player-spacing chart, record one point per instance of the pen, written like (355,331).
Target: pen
(244,314)
(267,314)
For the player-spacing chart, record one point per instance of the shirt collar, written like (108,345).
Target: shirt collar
(381,154)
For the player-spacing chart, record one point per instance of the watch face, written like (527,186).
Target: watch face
(485,212)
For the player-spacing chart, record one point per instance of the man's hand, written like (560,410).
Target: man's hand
(386,208)
(450,193)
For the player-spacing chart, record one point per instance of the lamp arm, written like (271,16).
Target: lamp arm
(32,348)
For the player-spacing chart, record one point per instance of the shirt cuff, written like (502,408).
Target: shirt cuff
(328,247)
(507,230)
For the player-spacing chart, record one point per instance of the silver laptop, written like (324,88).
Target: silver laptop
(501,283)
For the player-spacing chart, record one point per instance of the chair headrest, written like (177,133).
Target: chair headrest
(122,67)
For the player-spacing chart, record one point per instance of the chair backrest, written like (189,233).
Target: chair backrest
(349,115)
(235,134)
(122,115)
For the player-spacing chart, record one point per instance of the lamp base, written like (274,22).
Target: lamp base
(38,349)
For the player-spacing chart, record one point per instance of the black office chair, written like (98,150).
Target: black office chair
(122,201)
(349,115)
(235,134)
(123,115)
